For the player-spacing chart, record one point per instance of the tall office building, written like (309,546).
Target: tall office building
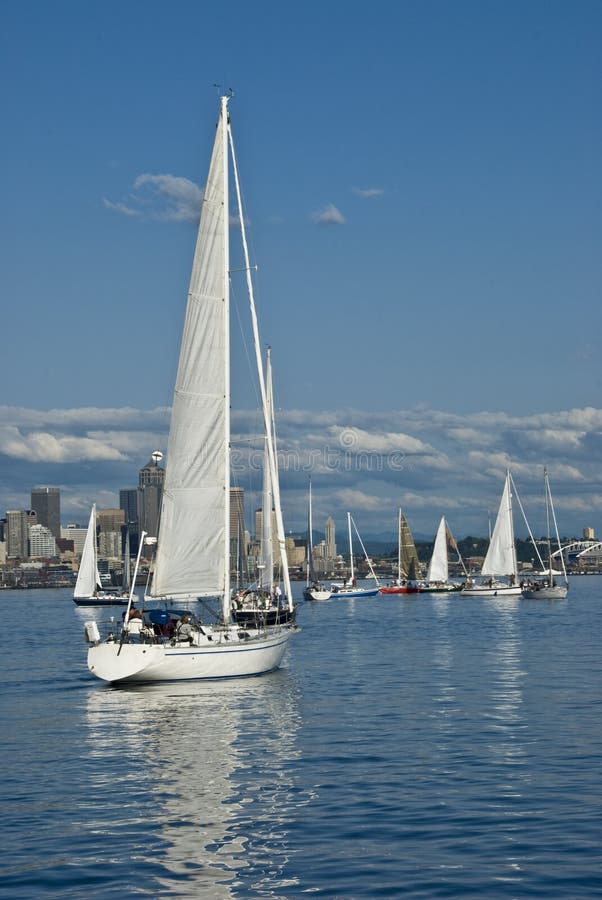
(42,542)
(330,549)
(46,501)
(16,532)
(128,502)
(110,520)
(237,530)
(150,492)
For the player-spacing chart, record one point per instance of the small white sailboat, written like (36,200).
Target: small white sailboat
(193,549)
(314,589)
(349,588)
(500,560)
(88,586)
(437,577)
(547,587)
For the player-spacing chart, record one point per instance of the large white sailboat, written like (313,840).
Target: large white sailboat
(500,560)
(314,589)
(89,590)
(193,550)
(547,586)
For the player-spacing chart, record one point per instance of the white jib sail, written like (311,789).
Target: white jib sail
(501,555)
(267,545)
(438,566)
(193,541)
(88,579)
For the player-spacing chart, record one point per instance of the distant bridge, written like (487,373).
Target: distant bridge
(582,548)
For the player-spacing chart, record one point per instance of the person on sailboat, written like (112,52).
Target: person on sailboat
(184,630)
(134,623)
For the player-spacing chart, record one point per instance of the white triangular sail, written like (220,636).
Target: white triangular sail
(193,546)
(501,555)
(438,569)
(88,579)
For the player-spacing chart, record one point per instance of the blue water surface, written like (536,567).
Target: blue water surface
(419,747)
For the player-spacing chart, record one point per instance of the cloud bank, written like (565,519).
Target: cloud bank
(427,461)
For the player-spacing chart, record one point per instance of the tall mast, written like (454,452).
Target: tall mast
(350,546)
(310,540)
(267,420)
(399,545)
(224,125)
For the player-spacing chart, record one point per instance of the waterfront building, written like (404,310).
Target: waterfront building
(18,522)
(109,544)
(42,542)
(76,534)
(110,520)
(46,501)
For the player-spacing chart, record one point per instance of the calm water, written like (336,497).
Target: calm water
(411,747)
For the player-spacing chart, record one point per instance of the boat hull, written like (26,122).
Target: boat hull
(557,592)
(146,663)
(500,591)
(109,600)
(316,594)
(400,589)
(442,589)
(357,592)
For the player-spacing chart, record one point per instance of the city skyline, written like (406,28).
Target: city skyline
(423,207)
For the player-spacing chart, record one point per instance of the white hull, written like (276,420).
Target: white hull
(558,592)
(499,591)
(316,594)
(213,659)
(345,593)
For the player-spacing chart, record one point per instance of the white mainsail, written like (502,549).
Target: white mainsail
(438,569)
(501,555)
(194,532)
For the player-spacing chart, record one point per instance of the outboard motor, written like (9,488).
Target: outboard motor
(91,633)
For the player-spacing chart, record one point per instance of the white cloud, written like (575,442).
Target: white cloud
(168,198)
(40,446)
(427,461)
(358,500)
(368,193)
(330,215)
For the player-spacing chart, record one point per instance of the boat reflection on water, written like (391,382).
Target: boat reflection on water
(208,762)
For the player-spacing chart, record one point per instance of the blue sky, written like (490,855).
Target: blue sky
(422,181)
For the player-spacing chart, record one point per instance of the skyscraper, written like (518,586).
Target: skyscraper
(17,532)
(330,549)
(150,492)
(46,501)
(237,530)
